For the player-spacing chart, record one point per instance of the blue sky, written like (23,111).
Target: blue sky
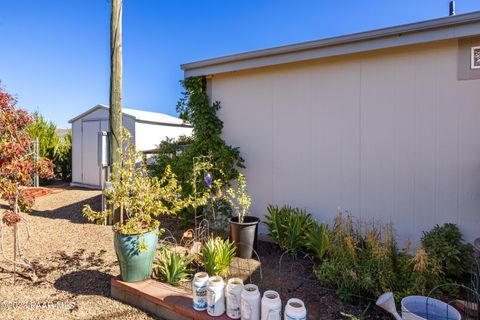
(54,55)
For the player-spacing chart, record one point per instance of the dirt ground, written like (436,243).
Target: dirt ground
(75,261)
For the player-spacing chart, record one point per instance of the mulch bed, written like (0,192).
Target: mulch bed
(74,260)
(37,192)
(291,276)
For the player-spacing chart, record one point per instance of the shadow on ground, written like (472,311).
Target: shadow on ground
(72,212)
(85,282)
(82,273)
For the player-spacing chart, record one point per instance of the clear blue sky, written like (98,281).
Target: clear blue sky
(54,55)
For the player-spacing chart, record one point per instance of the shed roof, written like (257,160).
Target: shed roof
(139,115)
(445,28)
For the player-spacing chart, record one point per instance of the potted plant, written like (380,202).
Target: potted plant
(138,199)
(243,228)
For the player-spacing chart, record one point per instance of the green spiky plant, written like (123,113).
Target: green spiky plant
(318,240)
(172,266)
(287,225)
(217,256)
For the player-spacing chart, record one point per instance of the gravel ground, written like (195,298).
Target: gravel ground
(75,261)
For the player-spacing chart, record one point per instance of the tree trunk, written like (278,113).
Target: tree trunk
(115,82)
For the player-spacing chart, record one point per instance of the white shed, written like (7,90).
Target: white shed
(148,129)
(384,123)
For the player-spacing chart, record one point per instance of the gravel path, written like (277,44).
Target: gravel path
(75,261)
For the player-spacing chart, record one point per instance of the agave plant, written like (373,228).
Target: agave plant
(172,266)
(318,240)
(217,256)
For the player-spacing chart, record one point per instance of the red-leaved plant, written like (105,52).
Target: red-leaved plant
(17,165)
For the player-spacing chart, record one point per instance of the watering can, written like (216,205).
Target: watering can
(418,308)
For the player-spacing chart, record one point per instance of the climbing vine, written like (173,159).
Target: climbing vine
(194,107)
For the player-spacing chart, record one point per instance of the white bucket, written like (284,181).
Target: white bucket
(425,308)
(295,310)
(199,291)
(215,296)
(271,305)
(233,292)
(250,309)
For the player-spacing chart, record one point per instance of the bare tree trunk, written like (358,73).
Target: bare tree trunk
(115,82)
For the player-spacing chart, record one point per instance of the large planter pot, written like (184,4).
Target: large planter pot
(135,265)
(244,235)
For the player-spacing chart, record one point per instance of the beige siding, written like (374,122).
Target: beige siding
(391,135)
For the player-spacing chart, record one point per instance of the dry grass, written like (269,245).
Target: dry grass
(75,261)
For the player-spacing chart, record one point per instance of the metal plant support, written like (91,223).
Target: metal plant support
(199,166)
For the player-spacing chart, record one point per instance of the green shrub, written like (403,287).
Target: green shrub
(52,145)
(360,259)
(363,260)
(446,244)
(318,239)
(286,226)
(172,267)
(217,255)
(195,108)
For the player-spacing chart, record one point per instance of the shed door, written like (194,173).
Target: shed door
(90,167)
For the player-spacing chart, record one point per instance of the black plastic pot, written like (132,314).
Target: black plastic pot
(244,235)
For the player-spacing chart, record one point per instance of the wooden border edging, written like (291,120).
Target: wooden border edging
(160,299)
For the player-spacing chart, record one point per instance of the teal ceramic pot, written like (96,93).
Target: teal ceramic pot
(135,265)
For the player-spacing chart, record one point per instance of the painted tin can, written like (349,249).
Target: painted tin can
(233,292)
(271,306)
(250,299)
(295,310)
(215,296)
(199,291)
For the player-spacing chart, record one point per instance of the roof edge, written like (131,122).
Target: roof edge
(96,107)
(102,106)
(432,24)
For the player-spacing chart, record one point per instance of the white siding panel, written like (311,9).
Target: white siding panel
(77,151)
(391,135)
(149,136)
(252,129)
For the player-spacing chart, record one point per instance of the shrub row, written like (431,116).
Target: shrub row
(360,258)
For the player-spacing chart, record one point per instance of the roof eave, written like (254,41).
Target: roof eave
(431,30)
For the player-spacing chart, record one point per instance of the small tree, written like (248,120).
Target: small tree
(17,167)
(139,197)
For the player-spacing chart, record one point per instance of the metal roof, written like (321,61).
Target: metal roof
(139,115)
(445,28)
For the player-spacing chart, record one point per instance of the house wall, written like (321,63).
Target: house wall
(390,135)
(149,135)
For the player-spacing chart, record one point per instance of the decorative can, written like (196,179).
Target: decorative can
(295,310)
(271,305)
(199,291)
(215,296)
(233,292)
(250,303)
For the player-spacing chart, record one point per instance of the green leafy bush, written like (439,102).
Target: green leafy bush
(318,239)
(195,108)
(172,267)
(363,260)
(287,225)
(217,255)
(140,199)
(446,244)
(52,145)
